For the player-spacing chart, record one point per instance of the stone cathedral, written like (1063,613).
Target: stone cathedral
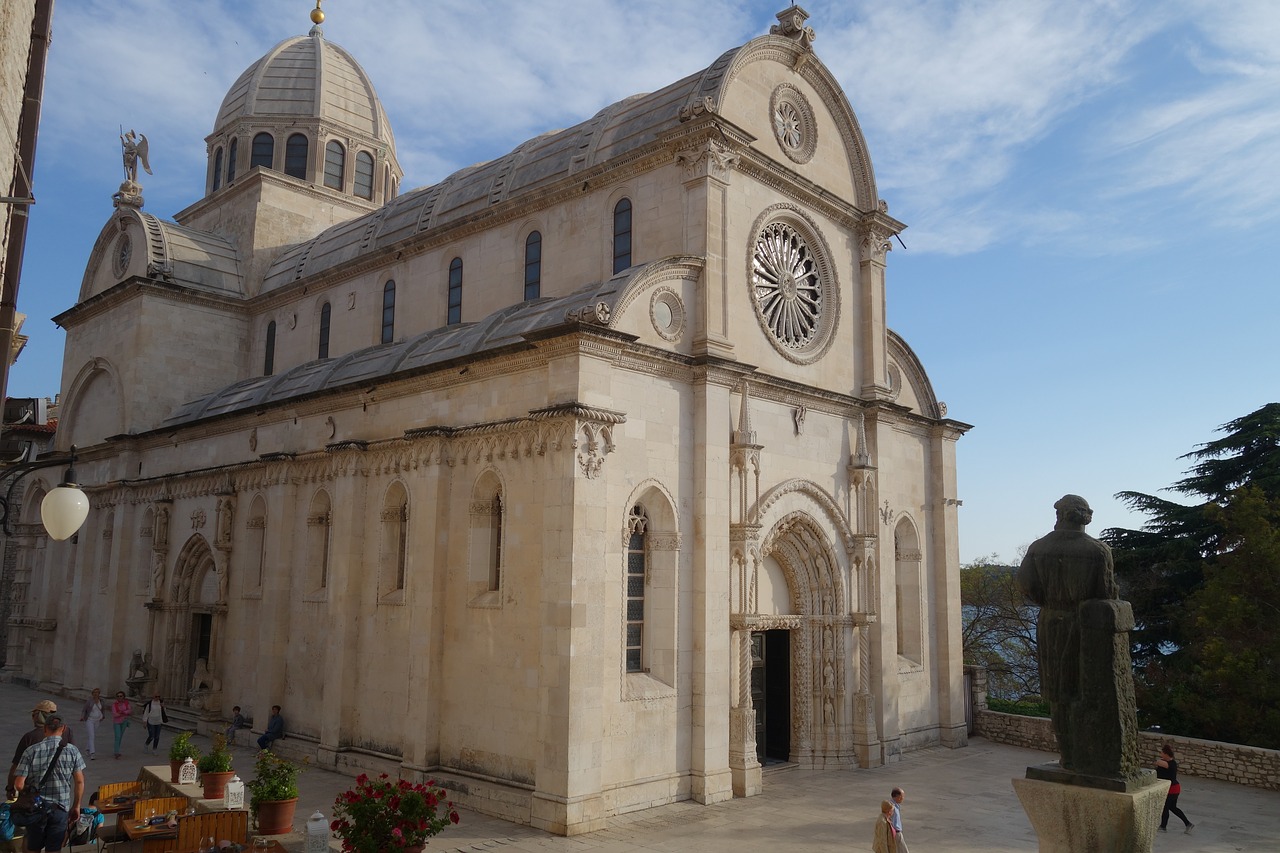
(587,479)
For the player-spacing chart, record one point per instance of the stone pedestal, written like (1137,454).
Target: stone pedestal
(1072,818)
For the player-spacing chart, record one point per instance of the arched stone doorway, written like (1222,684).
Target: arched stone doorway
(805,640)
(194,609)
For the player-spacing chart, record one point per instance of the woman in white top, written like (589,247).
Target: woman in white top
(92,715)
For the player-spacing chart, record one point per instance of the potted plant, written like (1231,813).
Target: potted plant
(273,793)
(382,814)
(215,769)
(179,751)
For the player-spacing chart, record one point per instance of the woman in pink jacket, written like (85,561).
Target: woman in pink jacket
(120,711)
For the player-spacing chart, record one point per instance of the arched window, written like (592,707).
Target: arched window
(907,558)
(257,551)
(395,540)
(455,291)
(264,151)
(104,556)
(334,164)
(533,266)
(269,360)
(326,312)
(217,169)
(638,525)
(386,183)
(621,235)
(295,156)
(319,520)
(487,512)
(389,312)
(233,150)
(364,175)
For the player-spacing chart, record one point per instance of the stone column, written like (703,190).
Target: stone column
(874,233)
(944,559)
(708,165)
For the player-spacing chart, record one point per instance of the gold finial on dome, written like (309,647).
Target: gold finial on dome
(317,15)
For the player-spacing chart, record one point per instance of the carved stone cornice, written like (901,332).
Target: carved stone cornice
(709,159)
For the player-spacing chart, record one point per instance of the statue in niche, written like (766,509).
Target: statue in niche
(206,688)
(1083,637)
(160,536)
(157,573)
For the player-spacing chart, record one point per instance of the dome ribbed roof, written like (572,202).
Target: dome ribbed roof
(306,76)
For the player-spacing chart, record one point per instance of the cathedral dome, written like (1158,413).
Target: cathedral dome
(296,110)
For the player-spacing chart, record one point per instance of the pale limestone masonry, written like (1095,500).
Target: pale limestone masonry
(1231,762)
(15,48)
(583,479)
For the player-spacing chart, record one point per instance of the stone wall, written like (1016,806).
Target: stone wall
(1230,762)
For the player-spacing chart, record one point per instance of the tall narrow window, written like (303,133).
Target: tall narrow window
(334,165)
(326,312)
(395,540)
(386,183)
(217,169)
(264,151)
(364,175)
(638,523)
(455,291)
(269,360)
(389,312)
(233,151)
(257,550)
(319,519)
(296,149)
(622,235)
(495,543)
(533,266)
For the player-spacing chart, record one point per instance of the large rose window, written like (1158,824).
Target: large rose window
(788,289)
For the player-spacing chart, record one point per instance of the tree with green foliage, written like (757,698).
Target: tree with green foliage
(998,629)
(1204,580)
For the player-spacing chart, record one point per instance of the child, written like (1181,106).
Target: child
(884,840)
(237,722)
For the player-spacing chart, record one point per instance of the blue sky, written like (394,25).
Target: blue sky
(1092,189)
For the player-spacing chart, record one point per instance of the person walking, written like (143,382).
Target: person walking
(1167,768)
(38,716)
(884,840)
(154,715)
(92,714)
(898,795)
(120,712)
(58,769)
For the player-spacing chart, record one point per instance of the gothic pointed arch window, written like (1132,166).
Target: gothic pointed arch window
(636,577)
(533,266)
(269,356)
(486,560)
(326,315)
(318,538)
(389,312)
(364,175)
(296,150)
(455,292)
(105,555)
(907,586)
(335,165)
(233,151)
(621,235)
(217,169)
(263,152)
(395,544)
(256,550)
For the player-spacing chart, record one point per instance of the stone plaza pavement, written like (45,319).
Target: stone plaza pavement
(958,801)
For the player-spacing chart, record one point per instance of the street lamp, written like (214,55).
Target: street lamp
(64,508)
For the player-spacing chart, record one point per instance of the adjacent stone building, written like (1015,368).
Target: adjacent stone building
(588,479)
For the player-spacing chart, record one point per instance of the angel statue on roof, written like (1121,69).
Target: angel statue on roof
(135,149)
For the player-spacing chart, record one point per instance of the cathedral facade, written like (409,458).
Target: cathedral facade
(587,479)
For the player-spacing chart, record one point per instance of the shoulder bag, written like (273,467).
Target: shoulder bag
(30,807)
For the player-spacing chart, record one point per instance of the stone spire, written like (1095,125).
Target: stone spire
(861,458)
(744,435)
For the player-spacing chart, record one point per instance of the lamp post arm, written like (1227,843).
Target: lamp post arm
(17,472)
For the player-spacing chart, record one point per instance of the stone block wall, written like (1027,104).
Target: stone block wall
(1230,762)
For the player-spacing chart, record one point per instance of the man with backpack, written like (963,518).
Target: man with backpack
(58,769)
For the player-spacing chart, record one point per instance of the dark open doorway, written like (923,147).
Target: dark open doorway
(771,694)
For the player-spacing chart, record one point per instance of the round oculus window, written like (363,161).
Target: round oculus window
(123,254)
(793,123)
(793,289)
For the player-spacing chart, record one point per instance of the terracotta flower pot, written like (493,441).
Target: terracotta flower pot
(275,817)
(174,767)
(215,784)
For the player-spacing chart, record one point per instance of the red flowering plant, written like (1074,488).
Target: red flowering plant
(383,814)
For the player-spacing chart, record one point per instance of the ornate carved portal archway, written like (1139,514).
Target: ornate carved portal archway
(822,669)
(193,609)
